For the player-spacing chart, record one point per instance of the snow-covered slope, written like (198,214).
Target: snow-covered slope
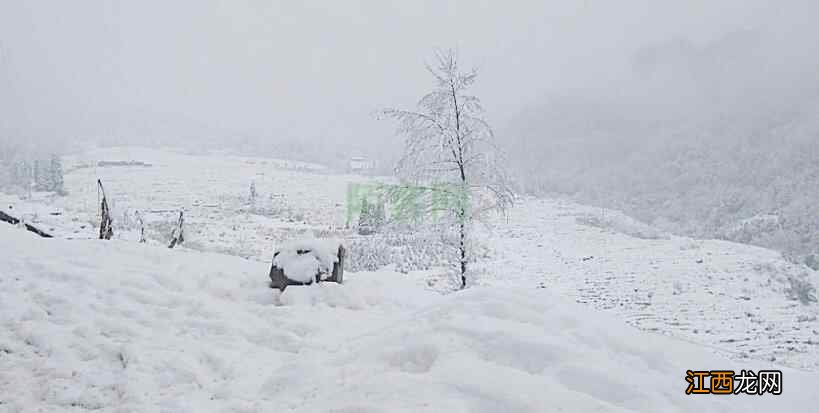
(732,297)
(118,326)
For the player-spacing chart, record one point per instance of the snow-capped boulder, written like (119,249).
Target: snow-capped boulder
(306,261)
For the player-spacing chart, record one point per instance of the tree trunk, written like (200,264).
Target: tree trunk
(462,248)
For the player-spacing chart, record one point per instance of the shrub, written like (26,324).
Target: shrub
(801,289)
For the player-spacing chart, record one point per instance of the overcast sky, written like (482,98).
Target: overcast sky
(317,70)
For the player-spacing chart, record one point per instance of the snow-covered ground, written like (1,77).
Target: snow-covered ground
(213,189)
(118,326)
(731,297)
(552,322)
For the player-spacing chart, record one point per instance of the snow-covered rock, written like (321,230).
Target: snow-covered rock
(302,260)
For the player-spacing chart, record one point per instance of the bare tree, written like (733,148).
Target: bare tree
(450,152)
(106,223)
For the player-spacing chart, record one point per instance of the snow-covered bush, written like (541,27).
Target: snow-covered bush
(369,254)
(163,228)
(407,251)
(371,217)
(812,261)
(801,289)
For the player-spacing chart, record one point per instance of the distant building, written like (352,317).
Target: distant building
(360,164)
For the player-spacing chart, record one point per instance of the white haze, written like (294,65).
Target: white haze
(259,71)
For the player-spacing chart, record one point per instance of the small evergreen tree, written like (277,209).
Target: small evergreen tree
(20,174)
(44,180)
(5,174)
(37,176)
(365,224)
(380,216)
(25,176)
(253,192)
(372,217)
(57,182)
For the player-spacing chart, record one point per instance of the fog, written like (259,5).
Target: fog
(667,110)
(258,71)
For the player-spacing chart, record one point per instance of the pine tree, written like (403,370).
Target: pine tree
(253,192)
(57,182)
(24,176)
(365,218)
(5,174)
(380,216)
(371,217)
(37,177)
(18,173)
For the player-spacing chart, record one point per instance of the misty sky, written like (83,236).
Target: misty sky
(317,70)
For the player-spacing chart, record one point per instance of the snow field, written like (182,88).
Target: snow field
(117,326)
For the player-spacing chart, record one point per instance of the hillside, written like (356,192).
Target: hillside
(712,140)
(740,301)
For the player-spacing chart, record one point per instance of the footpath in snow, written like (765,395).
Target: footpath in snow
(118,326)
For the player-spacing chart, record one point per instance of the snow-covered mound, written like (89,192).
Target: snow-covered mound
(117,326)
(302,259)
